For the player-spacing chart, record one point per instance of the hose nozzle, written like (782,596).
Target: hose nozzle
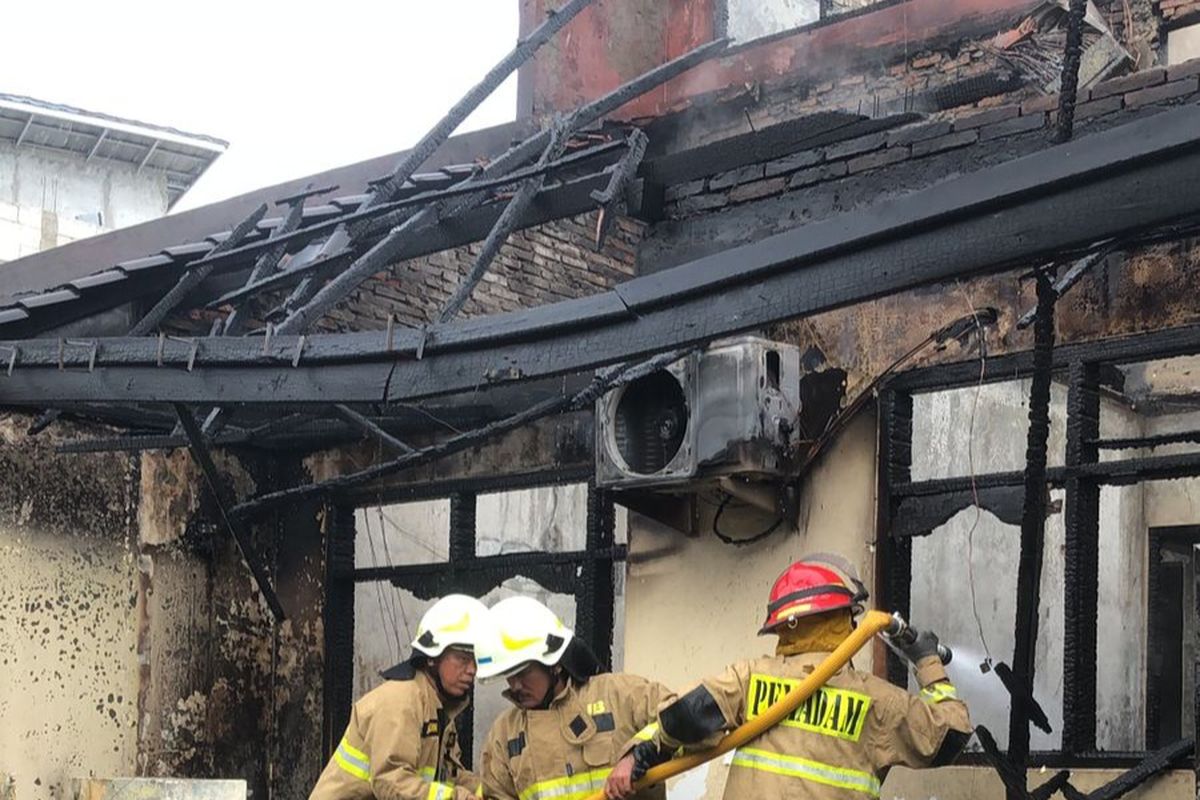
(901,634)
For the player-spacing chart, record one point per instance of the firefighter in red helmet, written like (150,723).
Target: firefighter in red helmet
(839,743)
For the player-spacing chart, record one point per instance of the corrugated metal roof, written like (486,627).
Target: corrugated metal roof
(183,156)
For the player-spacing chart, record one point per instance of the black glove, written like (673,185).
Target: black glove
(922,645)
(645,756)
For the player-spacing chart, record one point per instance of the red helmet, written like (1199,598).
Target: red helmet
(810,587)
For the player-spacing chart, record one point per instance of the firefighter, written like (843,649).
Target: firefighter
(401,742)
(570,721)
(841,742)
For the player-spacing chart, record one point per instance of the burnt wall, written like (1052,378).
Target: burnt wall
(68,656)
(228,693)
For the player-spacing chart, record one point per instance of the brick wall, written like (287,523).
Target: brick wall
(551,262)
(1159,86)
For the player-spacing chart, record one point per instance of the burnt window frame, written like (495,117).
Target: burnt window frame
(721,21)
(588,574)
(1086,367)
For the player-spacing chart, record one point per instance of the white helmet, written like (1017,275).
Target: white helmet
(454,621)
(523,630)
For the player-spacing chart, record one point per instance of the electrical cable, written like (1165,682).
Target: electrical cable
(735,541)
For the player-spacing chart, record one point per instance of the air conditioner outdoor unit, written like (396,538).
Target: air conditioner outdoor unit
(729,410)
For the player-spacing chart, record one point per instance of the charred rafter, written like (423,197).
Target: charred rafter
(266,263)
(195,276)
(385,253)
(509,221)
(368,427)
(614,195)
(384,190)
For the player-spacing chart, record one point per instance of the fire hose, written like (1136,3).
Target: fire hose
(872,623)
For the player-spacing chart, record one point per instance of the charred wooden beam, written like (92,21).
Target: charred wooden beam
(436,489)
(195,276)
(1081,580)
(339,627)
(386,189)
(1069,278)
(386,251)
(1013,777)
(387,216)
(594,593)
(1149,442)
(510,219)
(371,429)
(463,441)
(1076,11)
(1026,209)
(1033,521)
(561,200)
(1107,473)
(893,555)
(221,494)
(419,578)
(1152,765)
(440,132)
(613,197)
(266,263)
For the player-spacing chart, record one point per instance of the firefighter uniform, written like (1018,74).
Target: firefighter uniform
(565,752)
(838,744)
(401,744)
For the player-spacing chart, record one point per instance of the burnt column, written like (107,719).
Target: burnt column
(1081,579)
(339,626)
(462,548)
(595,594)
(893,555)
(1033,520)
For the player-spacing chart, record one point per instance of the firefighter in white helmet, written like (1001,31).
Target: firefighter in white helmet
(570,721)
(401,742)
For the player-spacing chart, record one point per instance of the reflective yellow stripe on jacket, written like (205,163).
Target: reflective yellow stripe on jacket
(647,733)
(805,769)
(440,791)
(352,760)
(938,693)
(574,787)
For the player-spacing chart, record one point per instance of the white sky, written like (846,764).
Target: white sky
(295,87)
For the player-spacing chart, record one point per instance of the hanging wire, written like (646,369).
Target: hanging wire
(982,338)
(379,593)
(388,555)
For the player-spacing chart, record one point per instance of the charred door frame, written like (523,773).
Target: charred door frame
(1085,367)
(586,574)
(1159,538)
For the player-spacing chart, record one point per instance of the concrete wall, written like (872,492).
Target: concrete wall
(48,198)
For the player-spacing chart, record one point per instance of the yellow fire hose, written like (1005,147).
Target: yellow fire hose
(872,623)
